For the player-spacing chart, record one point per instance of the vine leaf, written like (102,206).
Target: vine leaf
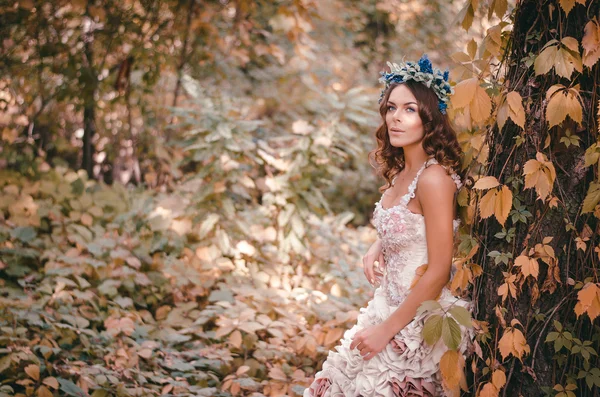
(508,287)
(588,301)
(488,390)
(499,378)
(529,266)
(563,102)
(592,198)
(539,173)
(562,55)
(497,202)
(487,182)
(468,93)
(567,5)
(591,43)
(513,342)
(452,370)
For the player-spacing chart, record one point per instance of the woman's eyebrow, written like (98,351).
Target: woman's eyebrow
(407,103)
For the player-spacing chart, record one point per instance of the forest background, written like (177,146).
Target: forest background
(186,197)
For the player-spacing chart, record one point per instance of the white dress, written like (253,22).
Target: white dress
(407,366)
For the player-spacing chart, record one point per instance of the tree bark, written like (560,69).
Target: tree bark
(536,23)
(89,81)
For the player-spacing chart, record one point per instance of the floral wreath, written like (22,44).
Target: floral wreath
(423,72)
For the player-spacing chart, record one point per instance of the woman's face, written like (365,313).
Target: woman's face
(404,124)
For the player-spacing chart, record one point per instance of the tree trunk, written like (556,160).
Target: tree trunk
(536,23)
(89,82)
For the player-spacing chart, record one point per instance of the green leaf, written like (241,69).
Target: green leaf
(432,329)
(25,234)
(71,388)
(451,333)
(461,315)
(428,306)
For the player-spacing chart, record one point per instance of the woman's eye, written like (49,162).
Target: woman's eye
(389,108)
(410,110)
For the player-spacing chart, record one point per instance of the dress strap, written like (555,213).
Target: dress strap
(453,174)
(413,185)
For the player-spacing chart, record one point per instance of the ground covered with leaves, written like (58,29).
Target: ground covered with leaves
(115,292)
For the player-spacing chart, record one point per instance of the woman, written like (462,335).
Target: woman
(384,353)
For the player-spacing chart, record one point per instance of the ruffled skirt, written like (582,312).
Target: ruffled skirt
(407,366)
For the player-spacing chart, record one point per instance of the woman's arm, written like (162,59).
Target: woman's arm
(435,193)
(372,271)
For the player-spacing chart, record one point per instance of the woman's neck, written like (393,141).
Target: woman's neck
(414,158)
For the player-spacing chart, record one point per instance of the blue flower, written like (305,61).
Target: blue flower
(425,64)
(446,74)
(442,106)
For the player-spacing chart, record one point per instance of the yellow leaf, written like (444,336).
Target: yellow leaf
(488,390)
(466,15)
(568,5)
(592,198)
(571,43)
(513,342)
(450,368)
(546,60)
(520,347)
(487,182)
(591,43)
(472,48)
(481,105)
(505,345)
(488,204)
(556,111)
(464,92)
(540,174)
(499,378)
(529,266)
(502,114)
(565,62)
(499,7)
(33,371)
(517,112)
(503,204)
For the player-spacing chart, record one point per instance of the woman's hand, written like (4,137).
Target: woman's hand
(373,262)
(371,340)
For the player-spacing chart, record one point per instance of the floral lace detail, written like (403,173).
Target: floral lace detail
(403,240)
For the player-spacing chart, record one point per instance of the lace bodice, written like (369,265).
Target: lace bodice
(403,241)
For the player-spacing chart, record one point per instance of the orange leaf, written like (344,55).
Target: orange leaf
(333,335)
(499,378)
(488,204)
(488,390)
(43,391)
(503,204)
(591,43)
(487,182)
(588,301)
(450,368)
(33,371)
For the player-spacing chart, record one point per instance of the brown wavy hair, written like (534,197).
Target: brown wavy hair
(439,140)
